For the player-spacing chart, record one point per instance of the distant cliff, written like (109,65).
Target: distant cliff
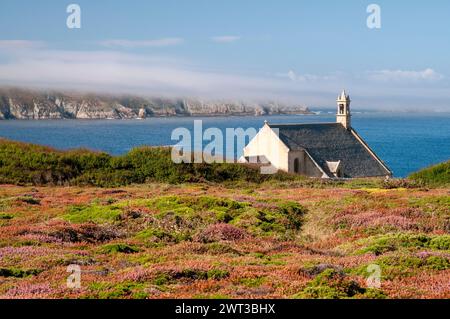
(30,104)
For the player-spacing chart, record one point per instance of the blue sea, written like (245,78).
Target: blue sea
(406,142)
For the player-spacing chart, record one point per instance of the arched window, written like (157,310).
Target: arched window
(296,166)
(341,109)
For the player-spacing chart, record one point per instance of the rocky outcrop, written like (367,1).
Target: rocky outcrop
(30,104)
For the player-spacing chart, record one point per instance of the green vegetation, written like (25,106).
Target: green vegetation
(28,164)
(331,284)
(392,242)
(171,277)
(119,248)
(18,273)
(182,218)
(4,216)
(92,213)
(438,175)
(126,289)
(396,266)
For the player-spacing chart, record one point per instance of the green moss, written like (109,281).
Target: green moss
(119,248)
(92,213)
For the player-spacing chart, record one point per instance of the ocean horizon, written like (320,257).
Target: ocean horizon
(406,142)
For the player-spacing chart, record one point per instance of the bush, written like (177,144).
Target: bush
(119,248)
(91,233)
(438,175)
(220,232)
(22,163)
(332,284)
(18,273)
(392,242)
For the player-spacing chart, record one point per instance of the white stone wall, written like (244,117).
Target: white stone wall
(267,143)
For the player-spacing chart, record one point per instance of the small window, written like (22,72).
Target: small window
(296,166)
(341,109)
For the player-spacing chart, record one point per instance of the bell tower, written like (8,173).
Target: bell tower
(343,115)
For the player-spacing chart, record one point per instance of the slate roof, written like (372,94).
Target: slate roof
(332,142)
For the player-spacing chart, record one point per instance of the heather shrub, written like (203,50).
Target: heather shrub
(89,232)
(220,232)
(330,284)
(314,270)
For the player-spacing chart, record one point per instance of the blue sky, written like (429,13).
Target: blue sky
(298,51)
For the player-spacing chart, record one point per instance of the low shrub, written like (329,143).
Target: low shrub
(220,232)
(22,163)
(18,273)
(332,284)
(119,248)
(379,245)
(89,232)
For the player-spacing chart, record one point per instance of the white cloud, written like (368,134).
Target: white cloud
(20,44)
(164,42)
(226,38)
(294,77)
(118,72)
(408,76)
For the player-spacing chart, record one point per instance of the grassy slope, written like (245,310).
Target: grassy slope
(438,175)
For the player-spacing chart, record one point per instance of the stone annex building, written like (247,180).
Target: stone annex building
(326,150)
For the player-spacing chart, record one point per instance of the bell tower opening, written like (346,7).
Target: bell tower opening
(343,115)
